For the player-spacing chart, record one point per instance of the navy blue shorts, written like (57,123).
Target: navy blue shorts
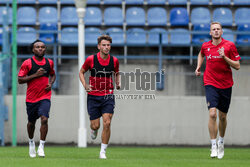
(38,109)
(98,105)
(218,98)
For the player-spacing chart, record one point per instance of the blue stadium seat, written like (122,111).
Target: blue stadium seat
(180,36)
(113,16)
(177,2)
(26,35)
(156,2)
(224,16)
(134,2)
(200,38)
(135,16)
(110,2)
(69,16)
(94,2)
(3,10)
(157,16)
(117,35)
(200,15)
(154,36)
(47,1)
(91,35)
(93,16)
(221,2)
(69,36)
(47,15)
(1,36)
(136,36)
(242,16)
(48,37)
(242,2)
(5,1)
(26,1)
(179,17)
(199,2)
(68,1)
(228,34)
(243,39)
(26,16)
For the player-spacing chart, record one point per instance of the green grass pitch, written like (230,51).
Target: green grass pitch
(123,157)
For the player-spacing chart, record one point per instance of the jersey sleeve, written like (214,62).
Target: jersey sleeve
(52,70)
(234,55)
(25,68)
(116,64)
(88,62)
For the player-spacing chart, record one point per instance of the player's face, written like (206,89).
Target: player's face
(104,47)
(39,49)
(216,31)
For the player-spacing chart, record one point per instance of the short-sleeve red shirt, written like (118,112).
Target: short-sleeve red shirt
(89,64)
(218,72)
(36,87)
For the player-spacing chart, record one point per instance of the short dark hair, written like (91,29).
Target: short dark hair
(104,37)
(33,43)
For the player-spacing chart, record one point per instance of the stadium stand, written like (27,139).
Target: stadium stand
(200,15)
(117,35)
(241,2)
(177,2)
(91,35)
(1,36)
(200,38)
(26,16)
(134,2)
(112,2)
(156,2)
(179,17)
(221,2)
(26,1)
(224,16)
(228,34)
(157,16)
(48,37)
(199,2)
(69,16)
(69,36)
(72,2)
(136,36)
(180,36)
(243,39)
(47,14)
(93,16)
(5,1)
(26,35)
(242,16)
(47,1)
(135,16)
(154,36)
(113,16)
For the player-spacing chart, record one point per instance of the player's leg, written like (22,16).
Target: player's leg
(32,117)
(43,112)
(212,98)
(94,125)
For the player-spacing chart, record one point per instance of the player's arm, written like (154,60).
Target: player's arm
(233,63)
(199,64)
(83,81)
(51,81)
(117,80)
(25,79)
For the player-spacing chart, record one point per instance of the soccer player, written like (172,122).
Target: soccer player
(220,55)
(100,100)
(36,72)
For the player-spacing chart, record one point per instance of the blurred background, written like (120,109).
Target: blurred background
(149,35)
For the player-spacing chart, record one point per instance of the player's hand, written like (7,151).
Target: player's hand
(40,72)
(198,71)
(88,88)
(221,52)
(118,86)
(48,87)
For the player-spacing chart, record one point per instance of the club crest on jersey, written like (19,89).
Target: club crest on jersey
(208,49)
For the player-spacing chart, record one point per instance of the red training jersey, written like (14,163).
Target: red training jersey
(93,81)
(36,87)
(218,72)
